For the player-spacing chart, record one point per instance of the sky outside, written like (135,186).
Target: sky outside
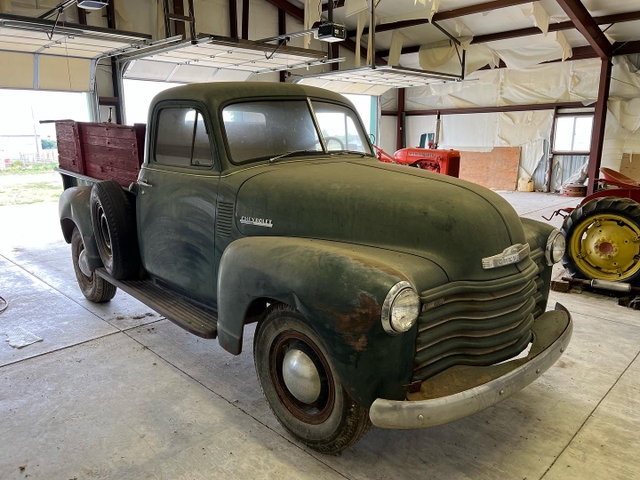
(22,109)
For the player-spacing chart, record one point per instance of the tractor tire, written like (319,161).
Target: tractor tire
(114,226)
(603,240)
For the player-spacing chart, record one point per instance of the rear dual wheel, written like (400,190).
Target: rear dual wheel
(93,287)
(114,226)
(603,240)
(301,386)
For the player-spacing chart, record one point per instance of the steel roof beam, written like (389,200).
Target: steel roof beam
(555,27)
(587,26)
(526,32)
(447,15)
(290,8)
(298,13)
(338,4)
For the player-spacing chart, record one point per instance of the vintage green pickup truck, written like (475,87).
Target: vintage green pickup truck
(382,294)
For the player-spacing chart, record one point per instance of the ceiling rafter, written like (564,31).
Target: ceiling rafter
(338,4)
(555,27)
(531,31)
(587,26)
(298,14)
(446,15)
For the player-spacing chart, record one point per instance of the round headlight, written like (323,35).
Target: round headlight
(556,246)
(400,309)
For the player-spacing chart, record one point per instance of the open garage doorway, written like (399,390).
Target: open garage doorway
(28,149)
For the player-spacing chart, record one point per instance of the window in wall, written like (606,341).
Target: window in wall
(573,134)
(182,139)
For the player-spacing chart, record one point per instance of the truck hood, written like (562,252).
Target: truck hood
(448,221)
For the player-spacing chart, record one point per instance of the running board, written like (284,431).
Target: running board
(194,318)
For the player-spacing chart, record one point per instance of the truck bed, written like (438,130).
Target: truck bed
(102,151)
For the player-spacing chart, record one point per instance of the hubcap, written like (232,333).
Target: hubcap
(104,230)
(83,264)
(604,247)
(301,376)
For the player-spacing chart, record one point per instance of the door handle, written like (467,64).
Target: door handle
(142,182)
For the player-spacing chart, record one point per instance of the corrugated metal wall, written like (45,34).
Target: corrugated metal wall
(540,173)
(563,167)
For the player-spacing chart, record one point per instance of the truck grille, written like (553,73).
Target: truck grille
(478,323)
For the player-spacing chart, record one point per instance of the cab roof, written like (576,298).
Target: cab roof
(216,94)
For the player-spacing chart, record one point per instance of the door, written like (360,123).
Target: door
(176,202)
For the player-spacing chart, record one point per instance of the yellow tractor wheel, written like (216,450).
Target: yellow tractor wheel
(603,240)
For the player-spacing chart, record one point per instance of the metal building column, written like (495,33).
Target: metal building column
(282,30)
(111,23)
(599,122)
(245,19)
(400,136)
(233,18)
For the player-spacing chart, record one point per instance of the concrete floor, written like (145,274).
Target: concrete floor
(115,391)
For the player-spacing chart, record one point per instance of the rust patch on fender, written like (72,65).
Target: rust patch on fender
(368,263)
(353,326)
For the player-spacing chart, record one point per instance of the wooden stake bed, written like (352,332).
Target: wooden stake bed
(103,151)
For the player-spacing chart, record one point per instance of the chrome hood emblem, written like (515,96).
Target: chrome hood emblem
(258,222)
(513,254)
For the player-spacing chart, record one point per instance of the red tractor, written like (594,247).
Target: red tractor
(446,162)
(603,232)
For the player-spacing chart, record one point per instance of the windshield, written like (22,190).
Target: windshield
(267,129)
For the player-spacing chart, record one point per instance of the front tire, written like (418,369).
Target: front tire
(603,240)
(319,412)
(94,288)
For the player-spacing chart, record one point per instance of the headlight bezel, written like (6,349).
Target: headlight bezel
(550,250)
(400,288)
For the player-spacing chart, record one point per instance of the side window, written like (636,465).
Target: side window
(182,139)
(338,126)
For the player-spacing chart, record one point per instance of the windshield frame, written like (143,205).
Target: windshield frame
(324,153)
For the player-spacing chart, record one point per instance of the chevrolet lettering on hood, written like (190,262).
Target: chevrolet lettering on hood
(258,222)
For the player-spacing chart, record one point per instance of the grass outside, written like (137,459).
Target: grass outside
(30,193)
(18,168)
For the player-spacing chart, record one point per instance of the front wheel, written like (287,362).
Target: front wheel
(603,240)
(95,289)
(301,386)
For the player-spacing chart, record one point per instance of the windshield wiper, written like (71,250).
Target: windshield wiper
(349,152)
(293,152)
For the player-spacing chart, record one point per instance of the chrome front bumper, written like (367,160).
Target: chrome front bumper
(552,334)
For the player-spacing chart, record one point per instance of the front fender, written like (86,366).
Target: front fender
(75,211)
(339,289)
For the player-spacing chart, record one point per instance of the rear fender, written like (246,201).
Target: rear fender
(75,211)
(339,289)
